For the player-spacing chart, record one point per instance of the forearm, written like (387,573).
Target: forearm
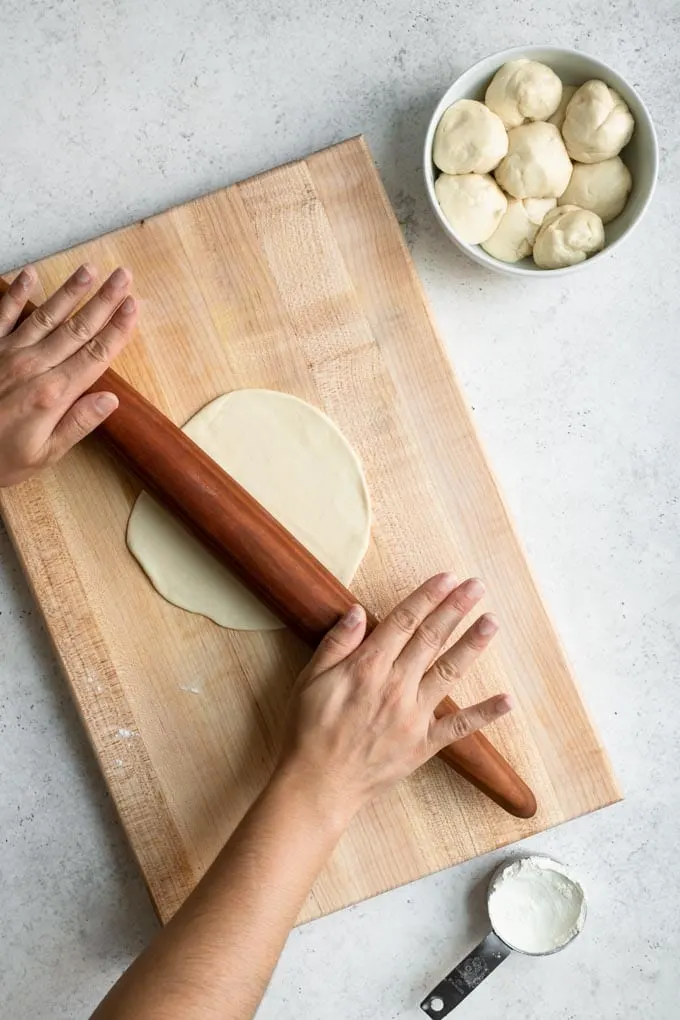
(215,958)
(364,717)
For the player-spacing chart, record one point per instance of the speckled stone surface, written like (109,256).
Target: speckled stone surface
(116,110)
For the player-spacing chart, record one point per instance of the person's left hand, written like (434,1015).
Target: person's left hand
(364,709)
(49,360)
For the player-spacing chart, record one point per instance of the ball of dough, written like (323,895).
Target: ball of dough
(469,139)
(567,236)
(558,116)
(597,123)
(523,90)
(472,203)
(601,187)
(514,236)
(537,164)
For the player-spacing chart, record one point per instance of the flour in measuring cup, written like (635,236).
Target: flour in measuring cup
(536,906)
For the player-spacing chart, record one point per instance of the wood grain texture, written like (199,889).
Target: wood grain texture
(296,280)
(267,558)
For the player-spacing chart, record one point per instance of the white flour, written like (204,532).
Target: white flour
(536,906)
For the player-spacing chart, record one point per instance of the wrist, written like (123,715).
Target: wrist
(314,798)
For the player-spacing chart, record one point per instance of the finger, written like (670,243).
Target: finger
(391,636)
(52,312)
(455,726)
(13,302)
(451,666)
(88,320)
(340,641)
(84,367)
(56,390)
(437,628)
(86,414)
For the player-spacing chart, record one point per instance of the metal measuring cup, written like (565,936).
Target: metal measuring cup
(491,951)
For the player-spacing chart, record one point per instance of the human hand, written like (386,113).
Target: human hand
(49,360)
(363,710)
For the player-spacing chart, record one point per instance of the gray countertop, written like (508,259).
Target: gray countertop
(116,110)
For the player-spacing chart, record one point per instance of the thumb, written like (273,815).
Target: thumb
(340,641)
(82,418)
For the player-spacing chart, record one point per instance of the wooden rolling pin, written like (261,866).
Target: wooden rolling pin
(265,556)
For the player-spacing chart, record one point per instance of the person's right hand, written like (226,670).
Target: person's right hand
(363,710)
(49,360)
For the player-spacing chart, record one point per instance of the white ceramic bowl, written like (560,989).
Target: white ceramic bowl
(640,155)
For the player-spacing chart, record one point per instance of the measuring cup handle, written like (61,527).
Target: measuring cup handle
(464,978)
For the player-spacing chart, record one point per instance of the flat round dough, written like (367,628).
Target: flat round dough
(297,464)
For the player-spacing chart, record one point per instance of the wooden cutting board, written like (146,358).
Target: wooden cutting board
(297,280)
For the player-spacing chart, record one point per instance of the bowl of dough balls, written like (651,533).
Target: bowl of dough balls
(540,160)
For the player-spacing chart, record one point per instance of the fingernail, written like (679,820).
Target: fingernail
(106,403)
(353,617)
(446,582)
(83,275)
(128,306)
(473,589)
(487,624)
(504,703)
(119,277)
(24,279)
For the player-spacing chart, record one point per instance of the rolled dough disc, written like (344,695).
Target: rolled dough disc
(297,464)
